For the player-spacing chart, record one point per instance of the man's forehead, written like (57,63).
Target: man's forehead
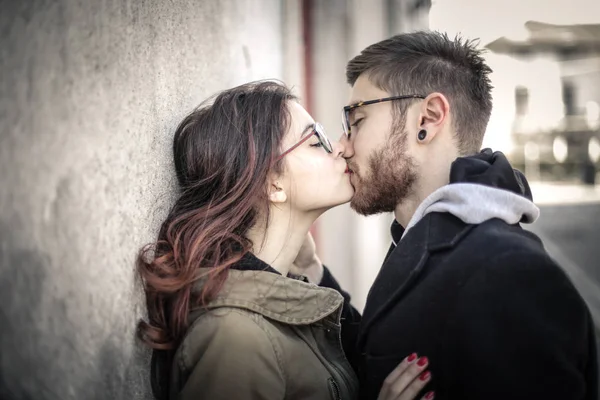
(364,90)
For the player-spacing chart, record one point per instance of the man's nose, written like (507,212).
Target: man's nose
(347,145)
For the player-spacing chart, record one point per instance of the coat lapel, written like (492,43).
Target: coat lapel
(402,268)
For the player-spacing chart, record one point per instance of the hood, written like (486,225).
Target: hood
(253,285)
(482,187)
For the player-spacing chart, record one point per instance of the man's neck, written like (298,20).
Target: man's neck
(405,210)
(422,189)
(279,243)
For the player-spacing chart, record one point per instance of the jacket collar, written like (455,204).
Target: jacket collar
(405,263)
(397,231)
(443,232)
(253,285)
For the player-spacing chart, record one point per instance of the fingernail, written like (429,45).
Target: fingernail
(429,395)
(422,361)
(412,357)
(425,375)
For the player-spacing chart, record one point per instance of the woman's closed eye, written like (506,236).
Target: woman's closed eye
(356,122)
(318,144)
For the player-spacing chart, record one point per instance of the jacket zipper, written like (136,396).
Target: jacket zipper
(346,380)
(334,389)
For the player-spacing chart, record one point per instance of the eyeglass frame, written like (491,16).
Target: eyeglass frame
(319,132)
(346,110)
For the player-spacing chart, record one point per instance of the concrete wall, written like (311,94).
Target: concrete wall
(90,95)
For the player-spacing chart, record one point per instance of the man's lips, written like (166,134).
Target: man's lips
(348,170)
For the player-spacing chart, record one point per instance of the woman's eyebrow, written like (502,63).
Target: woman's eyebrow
(308,128)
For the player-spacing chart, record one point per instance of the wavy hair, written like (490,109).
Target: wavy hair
(223,153)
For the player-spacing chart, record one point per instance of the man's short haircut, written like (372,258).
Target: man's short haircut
(425,62)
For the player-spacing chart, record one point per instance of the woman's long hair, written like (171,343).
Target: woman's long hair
(223,154)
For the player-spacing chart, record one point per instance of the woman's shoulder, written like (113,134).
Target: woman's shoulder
(224,320)
(228,350)
(226,329)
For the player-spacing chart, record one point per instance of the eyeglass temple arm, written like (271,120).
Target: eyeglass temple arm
(294,146)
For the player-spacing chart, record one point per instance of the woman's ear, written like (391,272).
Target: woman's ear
(276,193)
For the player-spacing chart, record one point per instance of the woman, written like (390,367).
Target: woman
(226,318)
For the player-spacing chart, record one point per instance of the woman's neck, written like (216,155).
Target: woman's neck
(279,243)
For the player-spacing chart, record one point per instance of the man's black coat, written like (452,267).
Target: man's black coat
(495,315)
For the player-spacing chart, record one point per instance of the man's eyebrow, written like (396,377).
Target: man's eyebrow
(353,103)
(308,128)
(353,111)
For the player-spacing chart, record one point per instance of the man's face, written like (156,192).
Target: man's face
(384,173)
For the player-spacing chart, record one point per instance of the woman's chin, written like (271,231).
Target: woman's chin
(345,199)
(334,204)
(335,198)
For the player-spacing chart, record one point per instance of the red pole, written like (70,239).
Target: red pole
(307,6)
(307,35)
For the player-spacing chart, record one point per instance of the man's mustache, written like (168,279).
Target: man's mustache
(352,167)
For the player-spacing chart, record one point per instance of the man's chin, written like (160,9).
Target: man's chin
(361,208)
(358,203)
(370,205)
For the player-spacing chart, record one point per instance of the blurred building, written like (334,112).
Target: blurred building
(564,146)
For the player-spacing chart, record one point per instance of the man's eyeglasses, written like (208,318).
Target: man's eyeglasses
(348,109)
(319,132)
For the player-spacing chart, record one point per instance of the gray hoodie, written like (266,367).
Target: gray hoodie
(482,187)
(475,203)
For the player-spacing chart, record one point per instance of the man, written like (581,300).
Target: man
(463,283)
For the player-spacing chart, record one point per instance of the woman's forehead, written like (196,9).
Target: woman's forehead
(300,119)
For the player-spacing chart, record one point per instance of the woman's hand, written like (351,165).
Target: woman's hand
(407,380)
(307,262)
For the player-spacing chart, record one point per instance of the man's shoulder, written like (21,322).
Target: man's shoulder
(495,247)
(508,255)
(497,239)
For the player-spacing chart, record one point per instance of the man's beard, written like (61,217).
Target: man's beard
(391,176)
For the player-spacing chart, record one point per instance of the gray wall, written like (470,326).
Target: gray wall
(90,95)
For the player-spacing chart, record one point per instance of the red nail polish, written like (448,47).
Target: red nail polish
(422,361)
(412,357)
(425,375)
(429,395)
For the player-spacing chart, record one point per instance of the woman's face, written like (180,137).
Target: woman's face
(313,179)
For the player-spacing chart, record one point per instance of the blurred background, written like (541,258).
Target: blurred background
(91,93)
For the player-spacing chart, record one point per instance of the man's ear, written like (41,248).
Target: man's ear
(434,113)
(276,193)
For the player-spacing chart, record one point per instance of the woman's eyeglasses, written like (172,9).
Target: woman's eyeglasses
(319,132)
